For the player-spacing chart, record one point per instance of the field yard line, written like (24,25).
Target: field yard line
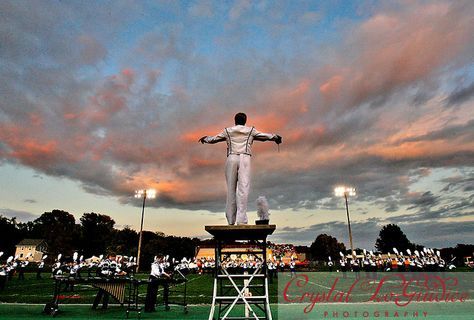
(171,287)
(325,287)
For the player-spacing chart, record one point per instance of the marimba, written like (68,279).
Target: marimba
(116,287)
(124,290)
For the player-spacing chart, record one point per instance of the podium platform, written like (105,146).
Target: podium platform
(232,288)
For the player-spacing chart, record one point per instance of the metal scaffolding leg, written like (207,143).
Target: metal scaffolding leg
(247,289)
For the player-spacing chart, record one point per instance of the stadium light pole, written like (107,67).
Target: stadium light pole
(150,194)
(345,192)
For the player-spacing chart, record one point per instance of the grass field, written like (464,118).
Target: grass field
(31,290)
(25,299)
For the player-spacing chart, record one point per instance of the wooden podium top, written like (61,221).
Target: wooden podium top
(241,232)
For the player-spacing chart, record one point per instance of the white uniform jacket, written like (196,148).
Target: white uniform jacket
(157,270)
(240,138)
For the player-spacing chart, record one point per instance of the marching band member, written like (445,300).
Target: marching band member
(75,267)
(394,264)
(293,268)
(157,276)
(40,267)
(343,264)
(271,270)
(107,268)
(366,263)
(21,270)
(355,263)
(3,274)
(330,264)
(130,266)
(12,264)
(110,267)
(282,265)
(56,267)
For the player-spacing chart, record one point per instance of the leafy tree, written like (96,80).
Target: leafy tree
(456,255)
(158,243)
(391,236)
(28,230)
(58,228)
(325,246)
(124,242)
(96,233)
(303,249)
(10,235)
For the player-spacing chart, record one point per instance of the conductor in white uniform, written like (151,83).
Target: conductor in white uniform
(239,140)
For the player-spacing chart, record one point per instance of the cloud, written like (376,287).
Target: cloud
(239,8)
(425,200)
(364,233)
(460,95)
(463,131)
(310,17)
(21,216)
(116,101)
(438,234)
(202,9)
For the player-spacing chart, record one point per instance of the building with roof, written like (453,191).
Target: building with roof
(31,250)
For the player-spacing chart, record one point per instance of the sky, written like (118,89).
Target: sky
(101,98)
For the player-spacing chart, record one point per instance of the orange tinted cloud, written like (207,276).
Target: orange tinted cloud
(28,146)
(109,99)
(395,48)
(200,162)
(194,135)
(419,150)
(30,150)
(270,122)
(36,119)
(331,87)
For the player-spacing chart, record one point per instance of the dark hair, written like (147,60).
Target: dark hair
(240,118)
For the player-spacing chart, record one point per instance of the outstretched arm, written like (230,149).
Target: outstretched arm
(213,139)
(260,136)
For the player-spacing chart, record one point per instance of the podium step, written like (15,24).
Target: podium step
(232,298)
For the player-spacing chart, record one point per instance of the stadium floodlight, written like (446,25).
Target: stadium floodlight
(343,191)
(150,194)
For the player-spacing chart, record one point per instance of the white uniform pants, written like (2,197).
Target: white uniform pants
(237,174)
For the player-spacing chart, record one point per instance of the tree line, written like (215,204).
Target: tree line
(93,234)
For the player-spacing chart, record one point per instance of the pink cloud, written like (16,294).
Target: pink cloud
(395,48)
(27,148)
